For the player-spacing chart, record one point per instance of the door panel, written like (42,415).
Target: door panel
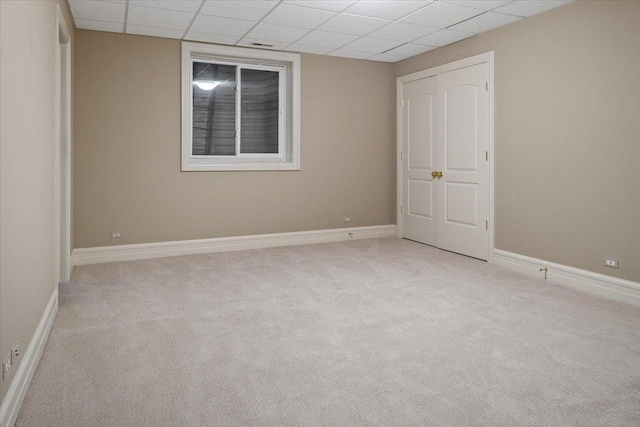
(462,203)
(419,198)
(418,133)
(463,139)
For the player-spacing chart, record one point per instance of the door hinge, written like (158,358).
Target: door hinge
(402,210)
(486,85)
(486,225)
(402,102)
(401,155)
(486,155)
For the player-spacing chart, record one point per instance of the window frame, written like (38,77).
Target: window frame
(287,65)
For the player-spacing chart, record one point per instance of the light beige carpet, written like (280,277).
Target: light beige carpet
(374,332)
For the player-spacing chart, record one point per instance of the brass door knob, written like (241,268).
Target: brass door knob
(439,175)
(436,174)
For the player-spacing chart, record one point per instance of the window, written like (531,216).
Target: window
(240,109)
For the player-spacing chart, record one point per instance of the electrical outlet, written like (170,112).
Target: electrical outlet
(116,235)
(6,367)
(347,219)
(613,263)
(15,351)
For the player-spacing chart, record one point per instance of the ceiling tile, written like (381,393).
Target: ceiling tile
(409,49)
(221,26)
(154,32)
(353,24)
(211,38)
(334,5)
(386,58)
(296,47)
(441,15)
(274,45)
(296,16)
(158,18)
(345,53)
(278,33)
(97,10)
(367,44)
(179,5)
(443,38)
(403,32)
(326,39)
(478,4)
(485,22)
(386,9)
(529,8)
(87,24)
(241,9)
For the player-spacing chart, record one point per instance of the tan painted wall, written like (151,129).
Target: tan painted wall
(127,151)
(28,38)
(567,132)
(567,151)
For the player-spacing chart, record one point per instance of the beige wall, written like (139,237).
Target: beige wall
(127,151)
(28,38)
(567,129)
(567,151)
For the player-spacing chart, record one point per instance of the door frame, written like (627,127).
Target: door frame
(482,58)
(63,272)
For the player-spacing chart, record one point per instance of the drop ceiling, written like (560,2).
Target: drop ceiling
(376,30)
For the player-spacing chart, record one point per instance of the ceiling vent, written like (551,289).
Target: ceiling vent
(260,44)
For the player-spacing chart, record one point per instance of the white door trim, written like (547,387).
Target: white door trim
(487,58)
(62,29)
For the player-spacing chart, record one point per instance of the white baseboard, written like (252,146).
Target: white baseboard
(595,283)
(18,388)
(83,256)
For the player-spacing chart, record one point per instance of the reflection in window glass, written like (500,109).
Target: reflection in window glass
(260,111)
(214,109)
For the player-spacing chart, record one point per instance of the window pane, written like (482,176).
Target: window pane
(260,111)
(214,109)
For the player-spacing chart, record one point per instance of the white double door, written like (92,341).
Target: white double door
(445,137)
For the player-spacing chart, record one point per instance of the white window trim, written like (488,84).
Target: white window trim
(289,63)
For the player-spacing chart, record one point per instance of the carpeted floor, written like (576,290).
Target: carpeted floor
(380,332)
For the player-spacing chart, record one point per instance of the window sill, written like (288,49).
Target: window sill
(240,166)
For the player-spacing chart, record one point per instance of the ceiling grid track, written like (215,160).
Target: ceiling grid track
(377,30)
(195,15)
(260,21)
(126,14)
